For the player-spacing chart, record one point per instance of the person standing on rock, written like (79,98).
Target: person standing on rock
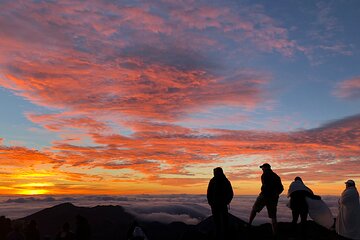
(297,193)
(348,220)
(269,196)
(219,196)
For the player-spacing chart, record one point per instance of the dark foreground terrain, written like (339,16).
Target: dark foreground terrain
(113,223)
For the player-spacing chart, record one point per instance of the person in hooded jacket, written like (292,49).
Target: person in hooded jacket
(219,196)
(297,193)
(348,221)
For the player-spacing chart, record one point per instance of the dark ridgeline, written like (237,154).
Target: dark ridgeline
(83,223)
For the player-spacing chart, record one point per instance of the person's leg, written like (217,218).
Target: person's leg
(217,222)
(303,217)
(295,216)
(274,225)
(258,206)
(252,216)
(271,205)
(225,223)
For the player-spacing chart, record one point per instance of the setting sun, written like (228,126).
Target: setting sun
(32,192)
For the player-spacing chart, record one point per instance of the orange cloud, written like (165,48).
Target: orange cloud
(23,157)
(163,154)
(125,77)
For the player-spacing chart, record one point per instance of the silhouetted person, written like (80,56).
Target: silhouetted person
(269,196)
(16,233)
(83,230)
(135,232)
(348,220)
(5,227)
(31,231)
(297,193)
(65,233)
(219,196)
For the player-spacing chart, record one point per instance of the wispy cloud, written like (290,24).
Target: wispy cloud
(348,89)
(326,34)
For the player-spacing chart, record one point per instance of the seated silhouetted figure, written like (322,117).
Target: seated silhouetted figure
(65,233)
(5,227)
(16,233)
(219,196)
(83,230)
(135,232)
(31,231)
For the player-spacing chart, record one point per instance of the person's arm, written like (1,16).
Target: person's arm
(265,184)
(312,195)
(210,193)
(348,197)
(231,192)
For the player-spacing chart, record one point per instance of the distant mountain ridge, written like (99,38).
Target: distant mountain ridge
(112,223)
(107,222)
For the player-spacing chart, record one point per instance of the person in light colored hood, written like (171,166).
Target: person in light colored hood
(348,220)
(297,193)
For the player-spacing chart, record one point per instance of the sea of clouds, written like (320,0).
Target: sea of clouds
(190,209)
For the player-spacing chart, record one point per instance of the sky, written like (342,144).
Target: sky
(132,97)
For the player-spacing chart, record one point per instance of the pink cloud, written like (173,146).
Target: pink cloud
(58,122)
(81,68)
(249,24)
(103,66)
(348,89)
(156,149)
(156,144)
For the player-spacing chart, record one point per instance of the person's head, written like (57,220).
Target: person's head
(350,183)
(218,172)
(298,179)
(265,166)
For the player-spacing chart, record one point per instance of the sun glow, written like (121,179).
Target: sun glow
(34,188)
(33,191)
